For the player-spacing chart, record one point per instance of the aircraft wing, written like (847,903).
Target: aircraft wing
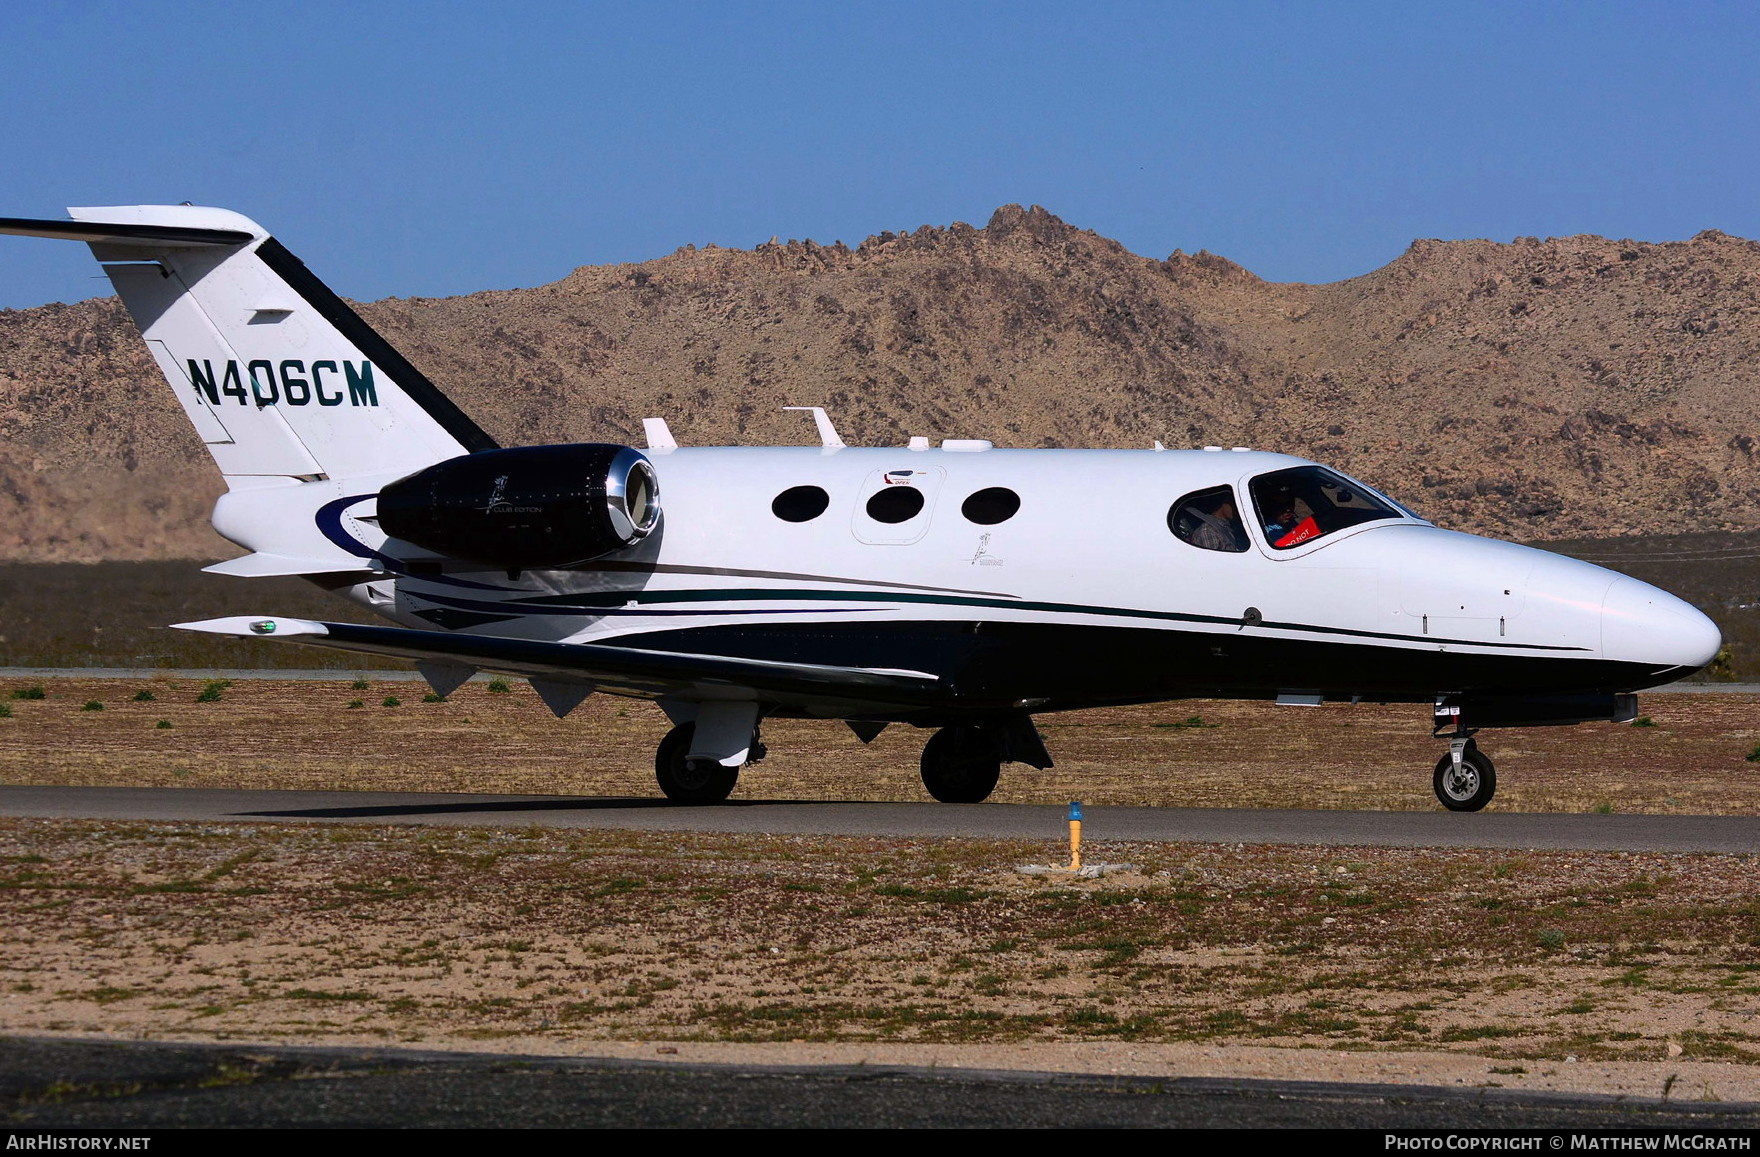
(625,669)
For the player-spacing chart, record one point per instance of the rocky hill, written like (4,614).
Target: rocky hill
(1571,387)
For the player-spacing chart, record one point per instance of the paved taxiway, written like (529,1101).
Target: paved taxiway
(127,1085)
(1430,829)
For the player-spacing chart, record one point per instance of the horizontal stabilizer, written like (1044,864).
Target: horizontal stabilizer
(111,233)
(255,627)
(627,669)
(261,565)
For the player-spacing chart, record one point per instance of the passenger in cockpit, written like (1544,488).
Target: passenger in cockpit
(1220,527)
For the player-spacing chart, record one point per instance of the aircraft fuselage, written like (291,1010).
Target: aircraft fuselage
(1081,596)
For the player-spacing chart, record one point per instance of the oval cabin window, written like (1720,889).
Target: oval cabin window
(1209,521)
(896,504)
(990,506)
(800,504)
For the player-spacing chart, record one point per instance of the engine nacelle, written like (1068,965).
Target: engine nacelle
(528,508)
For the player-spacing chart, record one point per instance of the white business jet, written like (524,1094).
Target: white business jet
(960,587)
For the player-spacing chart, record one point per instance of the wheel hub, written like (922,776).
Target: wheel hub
(696,773)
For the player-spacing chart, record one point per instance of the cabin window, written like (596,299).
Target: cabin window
(1209,520)
(991,505)
(1308,502)
(800,503)
(894,504)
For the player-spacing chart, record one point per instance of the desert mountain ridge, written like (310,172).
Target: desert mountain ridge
(1568,387)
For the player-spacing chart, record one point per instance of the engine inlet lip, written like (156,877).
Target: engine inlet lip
(630,476)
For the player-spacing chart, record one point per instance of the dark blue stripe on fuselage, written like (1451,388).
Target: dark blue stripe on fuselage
(616,603)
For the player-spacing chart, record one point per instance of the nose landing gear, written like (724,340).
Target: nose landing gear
(1465,778)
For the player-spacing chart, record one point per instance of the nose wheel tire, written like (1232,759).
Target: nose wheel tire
(690,781)
(961,765)
(1472,787)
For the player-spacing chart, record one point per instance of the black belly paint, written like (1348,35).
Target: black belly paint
(1058,667)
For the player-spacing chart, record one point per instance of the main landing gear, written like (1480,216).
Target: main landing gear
(687,780)
(962,762)
(699,760)
(960,765)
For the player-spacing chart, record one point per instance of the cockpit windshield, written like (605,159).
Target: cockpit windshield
(1307,502)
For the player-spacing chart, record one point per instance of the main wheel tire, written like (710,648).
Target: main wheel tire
(960,765)
(1473,788)
(690,781)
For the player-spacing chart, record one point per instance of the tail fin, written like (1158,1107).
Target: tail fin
(280,377)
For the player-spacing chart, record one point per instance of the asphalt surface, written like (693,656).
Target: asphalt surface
(1547,831)
(129,1085)
(409,675)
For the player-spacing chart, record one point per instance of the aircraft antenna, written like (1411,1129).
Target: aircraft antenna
(827,432)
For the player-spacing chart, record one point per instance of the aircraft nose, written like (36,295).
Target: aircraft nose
(1641,624)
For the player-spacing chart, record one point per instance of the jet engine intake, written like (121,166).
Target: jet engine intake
(528,508)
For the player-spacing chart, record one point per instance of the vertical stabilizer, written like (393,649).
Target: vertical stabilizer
(280,377)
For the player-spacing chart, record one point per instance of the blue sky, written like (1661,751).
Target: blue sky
(431,149)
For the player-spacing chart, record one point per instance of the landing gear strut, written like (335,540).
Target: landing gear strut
(1465,778)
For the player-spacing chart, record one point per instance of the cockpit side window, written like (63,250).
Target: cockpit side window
(1307,502)
(1209,520)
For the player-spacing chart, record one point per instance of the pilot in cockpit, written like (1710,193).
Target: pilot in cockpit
(1281,514)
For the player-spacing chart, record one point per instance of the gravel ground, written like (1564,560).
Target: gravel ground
(1625,973)
(1690,758)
